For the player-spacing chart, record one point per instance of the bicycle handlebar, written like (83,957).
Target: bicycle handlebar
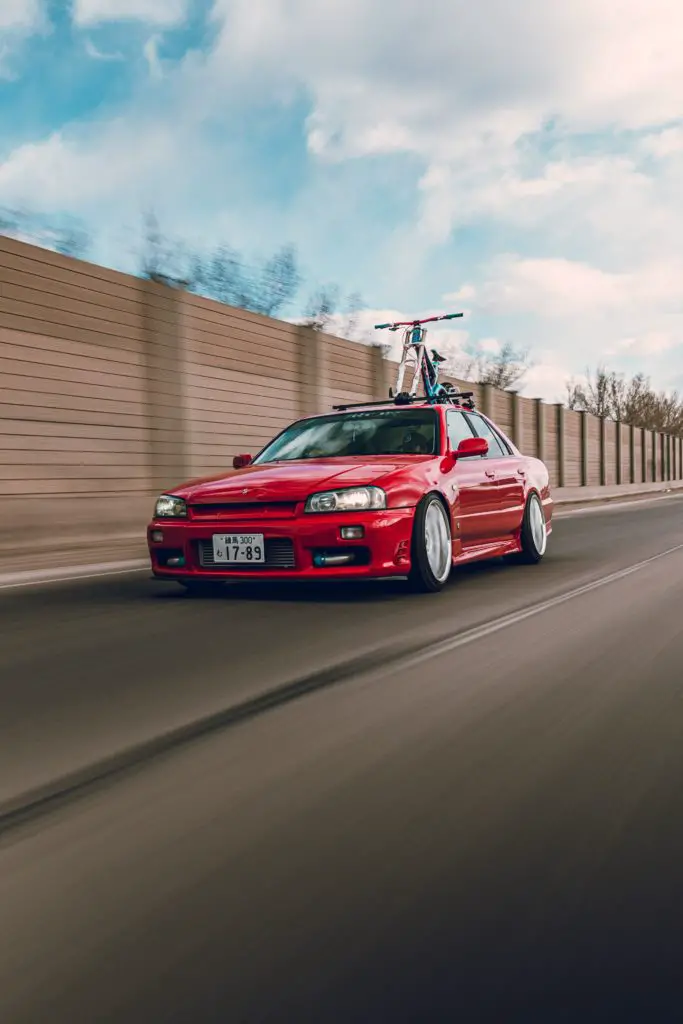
(416,323)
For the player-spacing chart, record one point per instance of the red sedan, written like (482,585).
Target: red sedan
(372,491)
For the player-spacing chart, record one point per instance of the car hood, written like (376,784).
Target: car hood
(293,480)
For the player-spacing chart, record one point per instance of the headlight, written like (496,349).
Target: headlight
(351,499)
(169,507)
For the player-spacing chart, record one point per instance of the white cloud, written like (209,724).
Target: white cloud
(96,54)
(577,315)
(19,19)
(494,185)
(69,174)
(651,343)
(472,104)
(155,12)
(470,97)
(666,143)
(151,52)
(493,67)
(21,15)
(490,345)
(561,288)
(548,376)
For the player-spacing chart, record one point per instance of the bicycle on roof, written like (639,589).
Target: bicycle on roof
(415,354)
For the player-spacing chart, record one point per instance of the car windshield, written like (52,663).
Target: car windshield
(378,432)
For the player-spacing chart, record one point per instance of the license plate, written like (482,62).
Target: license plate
(239,548)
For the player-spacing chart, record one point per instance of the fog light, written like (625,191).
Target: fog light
(352,532)
(157,536)
(176,562)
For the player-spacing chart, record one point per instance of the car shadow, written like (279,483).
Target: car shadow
(337,592)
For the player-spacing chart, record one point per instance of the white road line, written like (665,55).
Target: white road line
(40,577)
(504,622)
(602,505)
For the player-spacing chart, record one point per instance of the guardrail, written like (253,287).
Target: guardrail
(114,388)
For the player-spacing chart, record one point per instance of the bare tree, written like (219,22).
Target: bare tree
(321,308)
(162,259)
(70,238)
(278,282)
(224,276)
(221,274)
(323,313)
(608,394)
(73,241)
(598,394)
(503,369)
(7,222)
(350,326)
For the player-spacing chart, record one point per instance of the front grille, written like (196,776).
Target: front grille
(241,509)
(279,555)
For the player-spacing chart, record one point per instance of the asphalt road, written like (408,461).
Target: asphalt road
(490,833)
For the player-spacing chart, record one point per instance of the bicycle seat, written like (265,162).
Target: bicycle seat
(436,358)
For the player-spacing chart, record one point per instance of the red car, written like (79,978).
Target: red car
(377,490)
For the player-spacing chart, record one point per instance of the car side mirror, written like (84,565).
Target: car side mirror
(240,461)
(472,447)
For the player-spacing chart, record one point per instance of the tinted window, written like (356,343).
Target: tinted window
(373,432)
(482,429)
(458,428)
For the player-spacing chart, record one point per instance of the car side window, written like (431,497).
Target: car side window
(458,428)
(481,428)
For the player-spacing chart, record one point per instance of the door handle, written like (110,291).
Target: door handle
(490,473)
(522,472)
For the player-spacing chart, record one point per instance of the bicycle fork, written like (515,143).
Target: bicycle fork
(411,358)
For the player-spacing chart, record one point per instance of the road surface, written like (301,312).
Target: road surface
(486,830)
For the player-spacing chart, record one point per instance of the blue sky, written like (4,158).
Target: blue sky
(526,170)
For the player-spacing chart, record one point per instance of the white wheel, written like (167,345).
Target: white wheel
(438,546)
(537,524)
(432,546)
(534,534)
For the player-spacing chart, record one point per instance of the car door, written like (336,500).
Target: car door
(508,473)
(471,487)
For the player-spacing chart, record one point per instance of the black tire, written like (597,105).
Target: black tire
(532,551)
(422,578)
(201,588)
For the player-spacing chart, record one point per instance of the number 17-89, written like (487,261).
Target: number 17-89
(251,553)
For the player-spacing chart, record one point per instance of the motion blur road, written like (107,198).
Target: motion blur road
(489,829)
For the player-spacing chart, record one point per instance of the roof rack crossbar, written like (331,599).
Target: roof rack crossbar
(465,398)
(363,405)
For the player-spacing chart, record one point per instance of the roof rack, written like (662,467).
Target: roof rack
(464,398)
(385,401)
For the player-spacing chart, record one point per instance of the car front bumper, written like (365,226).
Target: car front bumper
(294,547)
